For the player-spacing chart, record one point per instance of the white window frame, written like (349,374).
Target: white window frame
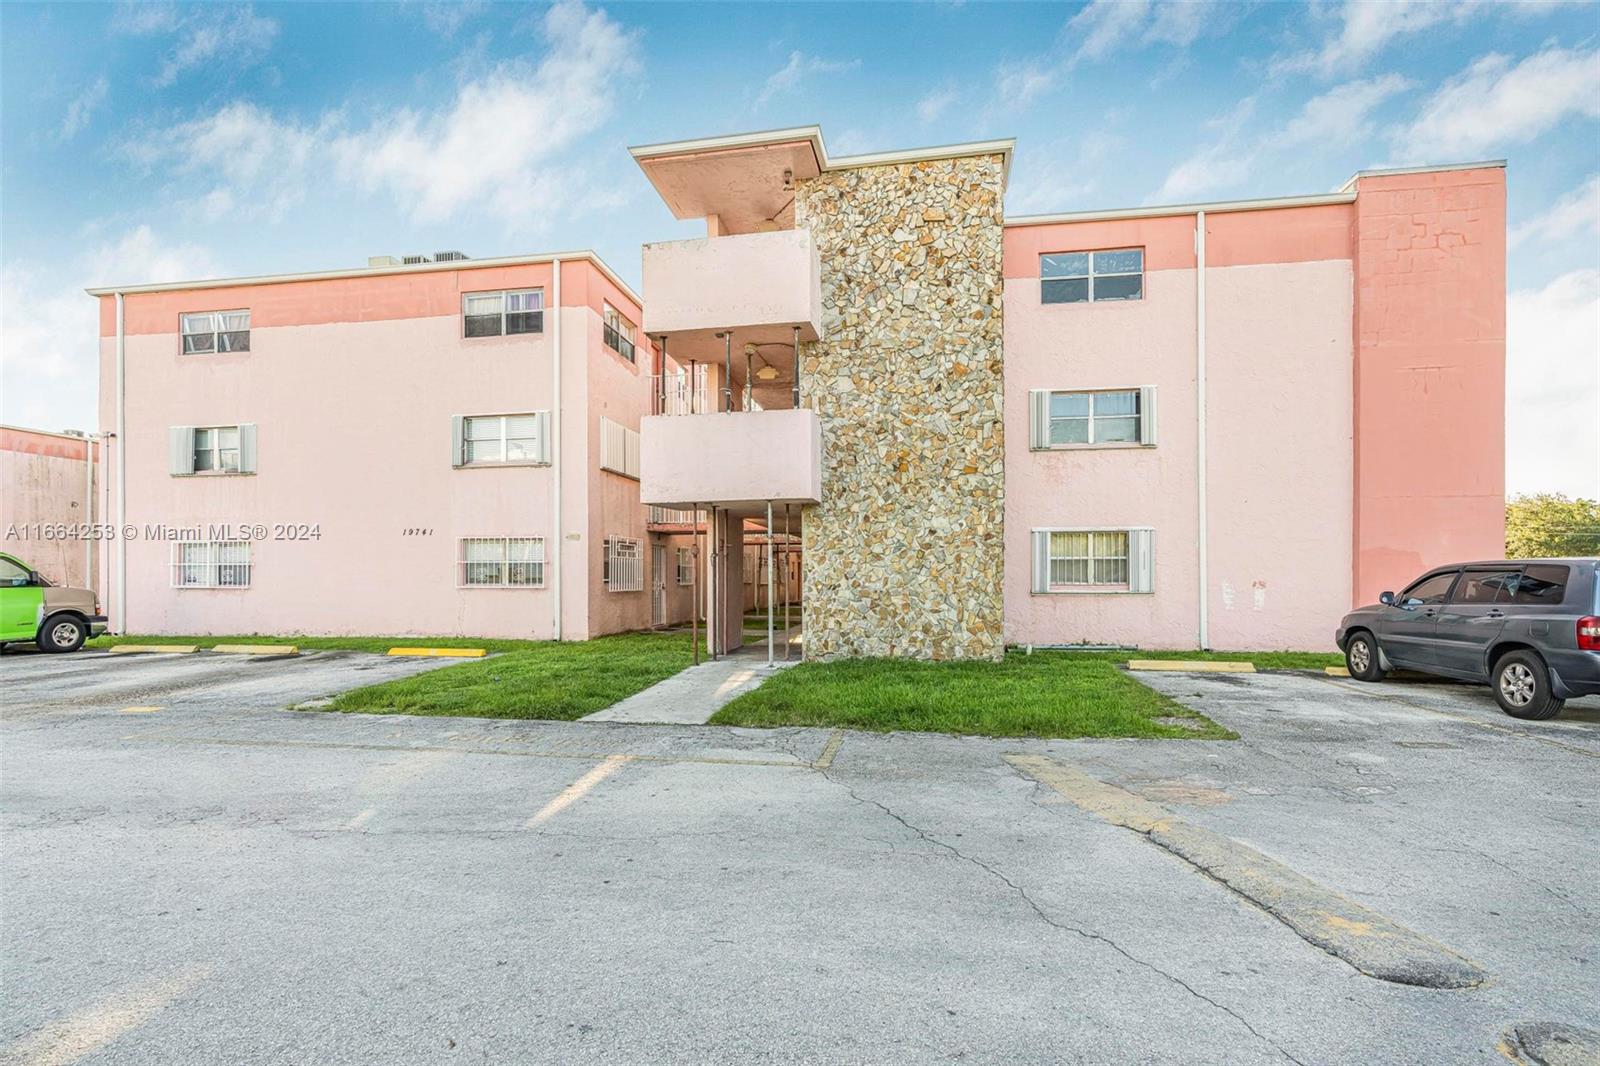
(624,332)
(622,564)
(1091,275)
(1093,418)
(1138,561)
(216,569)
(503,565)
(189,319)
(504,295)
(1039,418)
(541,439)
(685,560)
(218,451)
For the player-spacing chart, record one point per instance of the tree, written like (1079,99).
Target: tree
(1550,525)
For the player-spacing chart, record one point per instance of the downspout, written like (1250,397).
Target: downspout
(555,444)
(88,508)
(1200,421)
(122,468)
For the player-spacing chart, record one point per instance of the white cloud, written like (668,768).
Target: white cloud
(1048,182)
(1577,214)
(1018,86)
(235,36)
(50,359)
(144,17)
(1553,386)
(1341,116)
(498,145)
(1496,103)
(1105,25)
(935,104)
(83,107)
(1366,26)
(800,67)
(446,17)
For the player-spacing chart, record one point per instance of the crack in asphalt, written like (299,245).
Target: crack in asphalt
(1065,927)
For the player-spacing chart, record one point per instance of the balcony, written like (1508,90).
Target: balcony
(759,286)
(739,459)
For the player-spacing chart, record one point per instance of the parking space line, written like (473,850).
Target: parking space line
(361,819)
(1372,943)
(578,789)
(69,1039)
(829,750)
(1467,718)
(139,710)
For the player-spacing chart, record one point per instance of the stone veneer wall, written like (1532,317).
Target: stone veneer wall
(904,556)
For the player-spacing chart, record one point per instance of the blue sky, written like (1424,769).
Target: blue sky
(156,141)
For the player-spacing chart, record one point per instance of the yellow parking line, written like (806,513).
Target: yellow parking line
(451,653)
(1336,671)
(139,710)
(257,649)
(63,1042)
(579,788)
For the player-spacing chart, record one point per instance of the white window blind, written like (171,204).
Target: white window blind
(519,438)
(619,448)
(685,566)
(1093,560)
(501,562)
(493,314)
(1058,419)
(210,332)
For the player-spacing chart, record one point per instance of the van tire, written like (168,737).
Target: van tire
(63,632)
(1521,685)
(1362,662)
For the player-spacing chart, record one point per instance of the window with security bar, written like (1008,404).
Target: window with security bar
(1093,560)
(511,311)
(214,564)
(618,333)
(211,332)
(622,566)
(501,562)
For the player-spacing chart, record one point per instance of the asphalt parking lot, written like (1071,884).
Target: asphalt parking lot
(220,880)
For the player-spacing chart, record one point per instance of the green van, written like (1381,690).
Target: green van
(52,616)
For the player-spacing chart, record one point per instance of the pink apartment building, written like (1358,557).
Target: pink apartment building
(1215,425)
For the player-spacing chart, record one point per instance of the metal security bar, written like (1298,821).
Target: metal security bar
(670,516)
(501,562)
(624,565)
(214,564)
(680,392)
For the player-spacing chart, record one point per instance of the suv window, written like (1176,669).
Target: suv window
(1431,589)
(1542,584)
(1485,586)
(12,576)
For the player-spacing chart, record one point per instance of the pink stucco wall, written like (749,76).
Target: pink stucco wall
(1430,316)
(1278,429)
(353,417)
(42,482)
(732,457)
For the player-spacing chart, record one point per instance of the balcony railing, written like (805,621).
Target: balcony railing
(676,394)
(671,516)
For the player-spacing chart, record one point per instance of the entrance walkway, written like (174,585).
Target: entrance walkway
(693,696)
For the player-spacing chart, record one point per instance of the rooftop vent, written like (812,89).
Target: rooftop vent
(382,261)
(412,260)
(448,257)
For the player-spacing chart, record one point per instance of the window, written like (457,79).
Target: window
(1107,417)
(619,448)
(685,566)
(1082,277)
(216,448)
(618,333)
(1543,584)
(13,576)
(216,331)
(622,566)
(502,562)
(1432,589)
(1093,560)
(491,314)
(523,438)
(1485,586)
(215,564)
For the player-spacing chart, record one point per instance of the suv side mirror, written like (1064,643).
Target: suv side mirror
(35,578)
(1386,598)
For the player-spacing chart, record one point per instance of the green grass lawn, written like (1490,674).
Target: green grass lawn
(1046,694)
(523,679)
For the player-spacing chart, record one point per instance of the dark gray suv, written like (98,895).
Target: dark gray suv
(1529,628)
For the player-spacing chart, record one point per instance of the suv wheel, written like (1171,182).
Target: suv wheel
(63,633)
(1361,657)
(1522,687)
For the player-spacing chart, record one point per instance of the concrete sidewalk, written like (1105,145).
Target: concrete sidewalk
(693,696)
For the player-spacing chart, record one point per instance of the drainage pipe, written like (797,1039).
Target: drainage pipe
(122,468)
(1200,423)
(769,583)
(555,444)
